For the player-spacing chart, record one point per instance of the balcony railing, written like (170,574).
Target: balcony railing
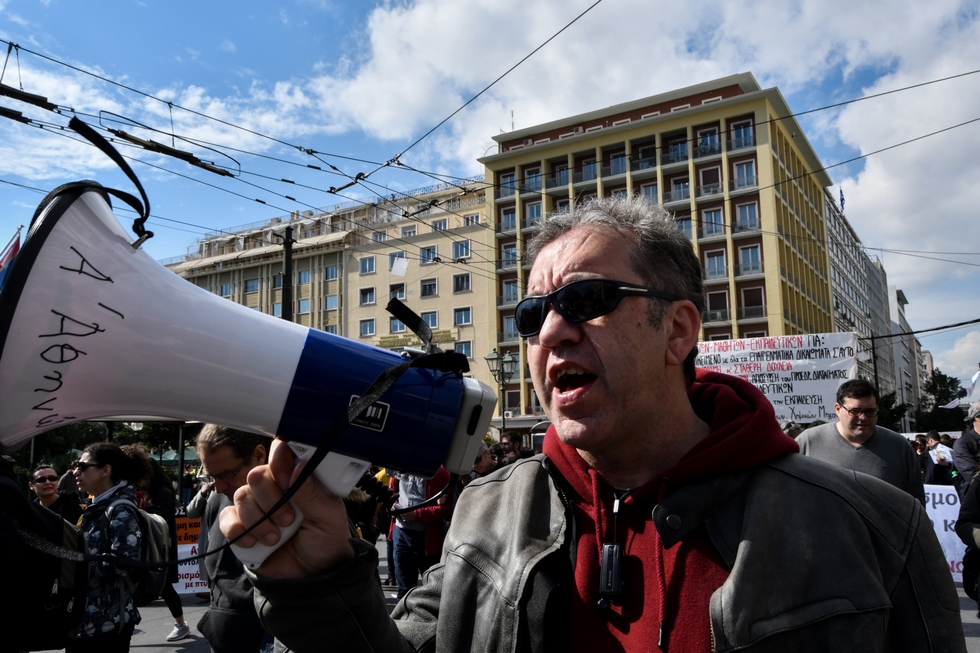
(750,312)
(506,263)
(674,154)
(677,195)
(709,229)
(506,300)
(560,179)
(507,224)
(745,269)
(528,223)
(531,184)
(743,227)
(649,163)
(616,167)
(684,226)
(587,174)
(508,336)
(708,189)
(721,315)
(740,142)
(715,273)
(707,148)
(742,183)
(504,191)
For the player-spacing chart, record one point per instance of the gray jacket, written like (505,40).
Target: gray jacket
(821,559)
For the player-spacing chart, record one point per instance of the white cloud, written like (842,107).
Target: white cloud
(227,46)
(961,360)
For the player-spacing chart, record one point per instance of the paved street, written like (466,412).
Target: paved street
(151,635)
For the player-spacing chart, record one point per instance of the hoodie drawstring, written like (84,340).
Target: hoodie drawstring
(662,637)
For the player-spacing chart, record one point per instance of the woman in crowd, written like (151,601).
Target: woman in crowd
(162,500)
(44,483)
(110,473)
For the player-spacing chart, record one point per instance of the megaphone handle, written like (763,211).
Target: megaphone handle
(337,473)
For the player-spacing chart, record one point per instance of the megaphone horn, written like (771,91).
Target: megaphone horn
(91,328)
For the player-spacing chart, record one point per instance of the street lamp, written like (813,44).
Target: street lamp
(502,368)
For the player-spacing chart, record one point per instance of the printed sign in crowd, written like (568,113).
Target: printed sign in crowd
(943,507)
(189,581)
(798,374)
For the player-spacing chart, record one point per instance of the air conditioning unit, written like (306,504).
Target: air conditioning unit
(508,414)
(579,129)
(528,142)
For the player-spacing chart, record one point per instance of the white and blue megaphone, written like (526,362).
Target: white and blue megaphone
(91,327)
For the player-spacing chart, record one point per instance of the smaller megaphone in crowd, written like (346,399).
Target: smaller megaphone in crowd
(91,327)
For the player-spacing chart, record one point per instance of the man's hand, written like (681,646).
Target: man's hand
(319,544)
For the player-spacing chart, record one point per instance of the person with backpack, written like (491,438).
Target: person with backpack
(110,473)
(162,500)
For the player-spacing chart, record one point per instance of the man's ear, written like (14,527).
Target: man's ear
(260,454)
(682,322)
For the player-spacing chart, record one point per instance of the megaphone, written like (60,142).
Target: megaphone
(92,327)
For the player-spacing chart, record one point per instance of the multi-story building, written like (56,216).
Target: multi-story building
(431,248)
(906,350)
(725,157)
(860,305)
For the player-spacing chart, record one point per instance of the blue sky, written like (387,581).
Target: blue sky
(366,79)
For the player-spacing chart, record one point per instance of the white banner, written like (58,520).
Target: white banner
(798,374)
(943,508)
(189,581)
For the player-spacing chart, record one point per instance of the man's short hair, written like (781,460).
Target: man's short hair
(856,389)
(933,435)
(657,250)
(242,444)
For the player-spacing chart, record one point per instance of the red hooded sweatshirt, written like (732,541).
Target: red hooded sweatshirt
(662,586)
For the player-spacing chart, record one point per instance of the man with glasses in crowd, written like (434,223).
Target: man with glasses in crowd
(856,441)
(231,623)
(669,511)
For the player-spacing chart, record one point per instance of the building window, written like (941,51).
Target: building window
(510,329)
(708,142)
(394,256)
(471,219)
(713,225)
(750,260)
(755,334)
(304,306)
(367,296)
(461,249)
(717,307)
(396,291)
(251,285)
(533,214)
(440,225)
(431,318)
(744,175)
(462,316)
(720,336)
(650,192)
(506,185)
(562,206)
(380,236)
(715,265)
(619,193)
(395,325)
(461,282)
(508,219)
(331,272)
(588,169)
(428,288)
(332,328)
(367,328)
(304,277)
(684,226)
(277,310)
(509,256)
(465,348)
(408,232)
(748,216)
(277,281)
(226,290)
(742,135)
(532,180)
(427,255)
(510,291)
(367,265)
(332,302)
(617,164)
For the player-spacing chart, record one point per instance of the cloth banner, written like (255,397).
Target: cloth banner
(798,374)
(943,508)
(189,580)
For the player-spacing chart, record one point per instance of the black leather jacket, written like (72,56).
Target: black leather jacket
(821,559)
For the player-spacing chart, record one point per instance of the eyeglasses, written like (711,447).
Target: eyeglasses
(579,301)
(80,466)
(226,476)
(45,479)
(857,412)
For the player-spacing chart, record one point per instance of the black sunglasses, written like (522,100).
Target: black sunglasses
(579,301)
(83,466)
(45,479)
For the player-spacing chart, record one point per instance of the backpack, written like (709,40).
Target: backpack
(50,591)
(146,584)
